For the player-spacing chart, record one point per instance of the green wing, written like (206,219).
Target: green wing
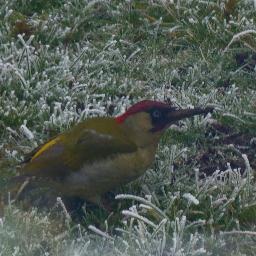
(28,157)
(86,143)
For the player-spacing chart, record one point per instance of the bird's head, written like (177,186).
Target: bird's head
(148,119)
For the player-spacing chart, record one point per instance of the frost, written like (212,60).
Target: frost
(99,232)
(93,58)
(24,129)
(192,21)
(238,36)
(191,198)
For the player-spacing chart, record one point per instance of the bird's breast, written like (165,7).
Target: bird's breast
(102,176)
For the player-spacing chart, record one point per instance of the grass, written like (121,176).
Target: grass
(62,62)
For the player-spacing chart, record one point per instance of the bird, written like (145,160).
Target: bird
(102,153)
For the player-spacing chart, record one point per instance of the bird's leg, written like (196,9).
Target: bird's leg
(105,204)
(102,202)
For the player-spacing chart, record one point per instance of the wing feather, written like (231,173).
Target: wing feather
(39,150)
(60,156)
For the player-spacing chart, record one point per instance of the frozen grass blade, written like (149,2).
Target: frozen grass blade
(95,58)
(99,232)
(142,200)
(138,217)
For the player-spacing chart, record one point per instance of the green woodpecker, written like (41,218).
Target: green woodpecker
(102,153)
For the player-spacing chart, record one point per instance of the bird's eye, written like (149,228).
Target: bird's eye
(156,114)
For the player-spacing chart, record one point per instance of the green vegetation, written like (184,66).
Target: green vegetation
(63,61)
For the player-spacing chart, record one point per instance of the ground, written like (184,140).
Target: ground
(64,61)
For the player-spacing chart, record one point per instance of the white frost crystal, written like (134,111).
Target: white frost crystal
(191,198)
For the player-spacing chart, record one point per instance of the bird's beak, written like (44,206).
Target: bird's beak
(178,114)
